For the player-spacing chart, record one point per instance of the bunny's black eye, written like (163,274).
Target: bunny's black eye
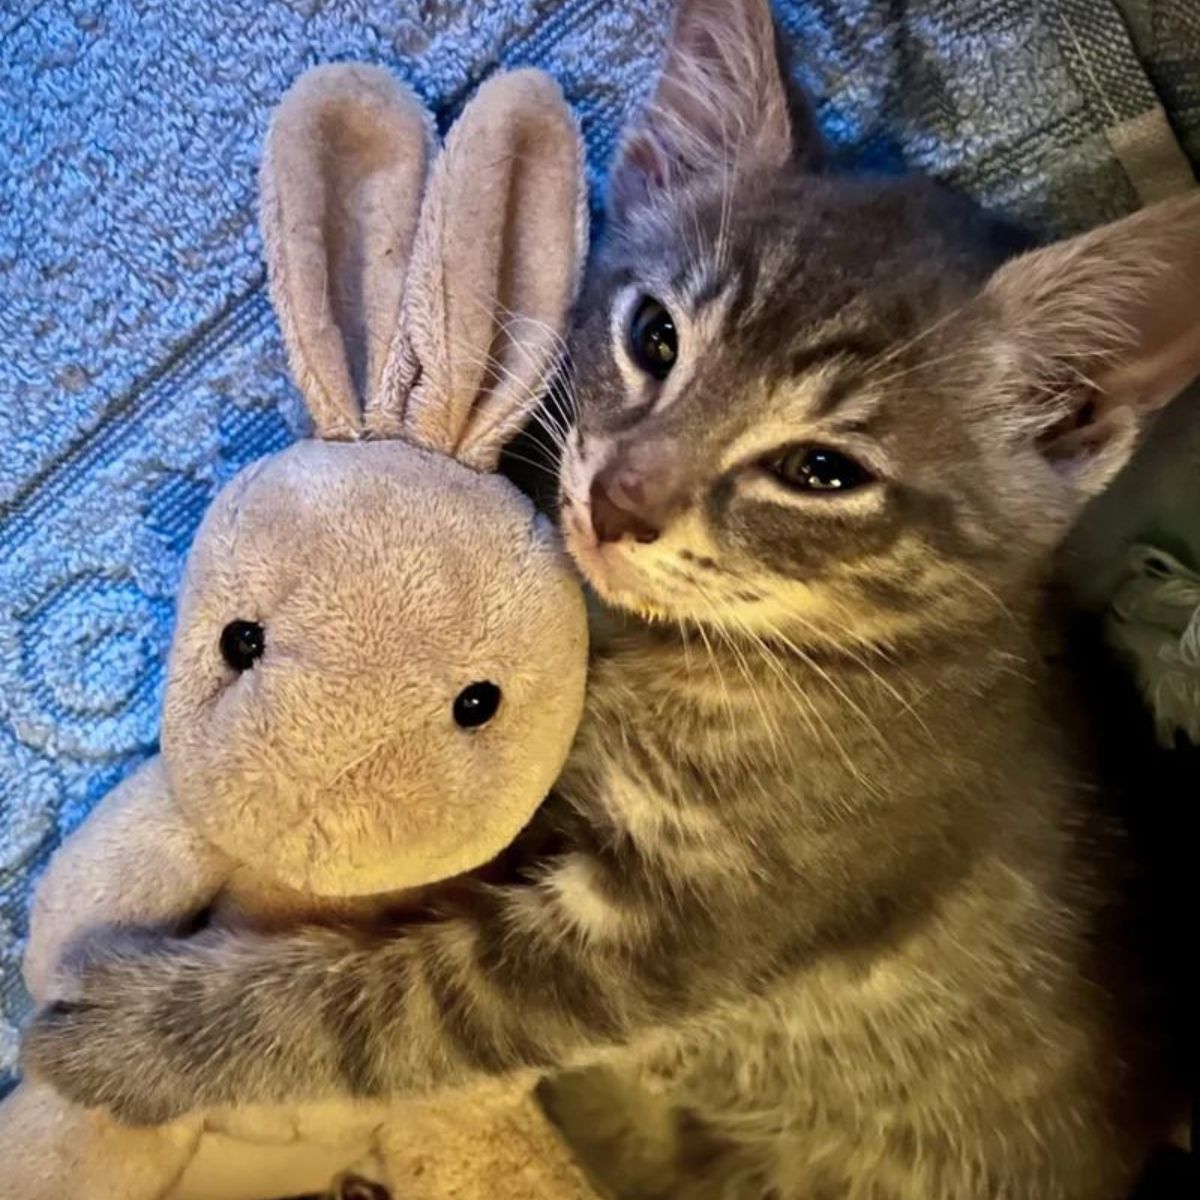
(476,705)
(242,644)
(818,469)
(653,342)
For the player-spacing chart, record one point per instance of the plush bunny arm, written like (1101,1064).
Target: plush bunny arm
(51,1149)
(135,861)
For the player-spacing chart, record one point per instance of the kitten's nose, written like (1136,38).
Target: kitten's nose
(616,502)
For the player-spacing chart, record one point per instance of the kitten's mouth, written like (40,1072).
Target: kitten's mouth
(607,568)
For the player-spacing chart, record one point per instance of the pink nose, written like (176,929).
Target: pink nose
(617,503)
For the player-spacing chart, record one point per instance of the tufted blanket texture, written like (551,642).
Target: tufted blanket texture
(141,365)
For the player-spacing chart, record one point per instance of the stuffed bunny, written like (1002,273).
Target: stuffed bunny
(380,651)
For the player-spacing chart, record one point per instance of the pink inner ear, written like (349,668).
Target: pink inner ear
(1093,438)
(1084,433)
(644,173)
(1143,281)
(1071,434)
(700,88)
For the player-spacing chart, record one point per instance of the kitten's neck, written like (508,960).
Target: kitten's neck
(990,645)
(961,692)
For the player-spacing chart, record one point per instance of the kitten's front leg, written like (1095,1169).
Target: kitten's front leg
(153,1026)
(158,1026)
(225,1018)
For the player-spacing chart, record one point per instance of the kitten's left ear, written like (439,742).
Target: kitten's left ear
(1107,324)
(723,102)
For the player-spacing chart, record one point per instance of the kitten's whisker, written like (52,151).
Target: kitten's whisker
(769,724)
(558,429)
(557,411)
(556,338)
(925,332)
(805,706)
(545,438)
(790,685)
(530,395)
(712,658)
(955,357)
(545,364)
(728,173)
(553,371)
(982,587)
(530,462)
(832,683)
(846,647)
(696,255)
(686,643)
(550,452)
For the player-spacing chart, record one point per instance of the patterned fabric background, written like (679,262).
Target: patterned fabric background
(141,365)
(1166,34)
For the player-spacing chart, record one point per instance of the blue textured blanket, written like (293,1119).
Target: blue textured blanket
(141,364)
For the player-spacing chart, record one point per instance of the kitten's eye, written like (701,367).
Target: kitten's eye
(476,704)
(817,469)
(653,342)
(242,644)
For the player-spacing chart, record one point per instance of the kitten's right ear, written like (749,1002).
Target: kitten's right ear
(723,103)
(341,183)
(1106,327)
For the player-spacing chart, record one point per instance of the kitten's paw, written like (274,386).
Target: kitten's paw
(102,1047)
(64,1047)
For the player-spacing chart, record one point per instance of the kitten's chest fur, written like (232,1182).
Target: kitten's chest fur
(916,826)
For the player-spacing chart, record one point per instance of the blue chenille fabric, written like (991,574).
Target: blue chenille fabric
(140,364)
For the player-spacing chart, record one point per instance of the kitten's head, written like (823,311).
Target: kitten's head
(817,406)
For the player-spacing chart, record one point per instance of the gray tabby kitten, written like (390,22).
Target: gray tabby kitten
(827,893)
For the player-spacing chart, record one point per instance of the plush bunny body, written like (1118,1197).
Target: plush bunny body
(491,1142)
(380,650)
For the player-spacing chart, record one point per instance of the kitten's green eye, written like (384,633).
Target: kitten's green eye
(817,469)
(653,342)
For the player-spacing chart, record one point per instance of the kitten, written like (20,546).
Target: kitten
(830,898)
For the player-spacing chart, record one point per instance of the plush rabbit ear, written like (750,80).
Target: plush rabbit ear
(495,269)
(341,183)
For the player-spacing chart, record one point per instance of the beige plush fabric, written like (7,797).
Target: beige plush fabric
(484,276)
(387,573)
(388,579)
(341,186)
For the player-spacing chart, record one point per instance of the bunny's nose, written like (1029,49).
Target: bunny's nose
(618,502)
